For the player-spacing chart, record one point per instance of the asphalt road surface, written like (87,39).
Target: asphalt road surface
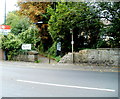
(20,81)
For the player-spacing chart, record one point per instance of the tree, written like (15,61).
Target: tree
(36,11)
(80,18)
(110,11)
(21,32)
(17,22)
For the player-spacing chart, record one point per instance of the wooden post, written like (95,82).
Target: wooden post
(49,58)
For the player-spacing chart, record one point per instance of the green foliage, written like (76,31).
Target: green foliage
(37,61)
(30,36)
(111,12)
(101,44)
(1,40)
(36,12)
(52,49)
(57,58)
(84,18)
(52,52)
(40,48)
(11,44)
(79,17)
(18,23)
(22,32)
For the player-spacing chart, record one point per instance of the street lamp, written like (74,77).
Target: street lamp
(40,22)
(5,14)
(5,52)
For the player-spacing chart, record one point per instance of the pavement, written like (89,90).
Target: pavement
(82,66)
(44,63)
(54,65)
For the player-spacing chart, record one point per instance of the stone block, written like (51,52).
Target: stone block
(104,56)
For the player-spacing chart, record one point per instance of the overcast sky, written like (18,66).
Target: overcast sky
(10,6)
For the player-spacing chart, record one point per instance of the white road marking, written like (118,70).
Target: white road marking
(68,86)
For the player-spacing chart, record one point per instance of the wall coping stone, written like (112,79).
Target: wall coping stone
(32,53)
(108,48)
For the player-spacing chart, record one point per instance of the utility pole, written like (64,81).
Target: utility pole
(5,52)
(5,14)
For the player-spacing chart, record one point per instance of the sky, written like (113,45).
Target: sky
(10,6)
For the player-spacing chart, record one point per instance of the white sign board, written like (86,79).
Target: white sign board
(5,29)
(59,46)
(4,33)
(26,46)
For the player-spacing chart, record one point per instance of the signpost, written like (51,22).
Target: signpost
(5,29)
(26,47)
(72,42)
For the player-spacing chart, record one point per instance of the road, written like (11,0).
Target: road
(25,81)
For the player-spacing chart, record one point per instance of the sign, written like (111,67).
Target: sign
(26,46)
(71,31)
(59,46)
(72,42)
(5,29)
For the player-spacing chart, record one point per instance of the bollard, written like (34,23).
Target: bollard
(49,58)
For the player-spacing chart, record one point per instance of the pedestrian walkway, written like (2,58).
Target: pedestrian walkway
(81,67)
(46,60)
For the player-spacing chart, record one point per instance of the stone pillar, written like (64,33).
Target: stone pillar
(1,54)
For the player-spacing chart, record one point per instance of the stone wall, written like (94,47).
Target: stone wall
(27,58)
(1,54)
(103,56)
(30,56)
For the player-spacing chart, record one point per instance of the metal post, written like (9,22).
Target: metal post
(33,27)
(34,38)
(72,49)
(5,52)
(72,43)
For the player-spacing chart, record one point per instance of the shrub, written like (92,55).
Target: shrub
(11,44)
(52,50)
